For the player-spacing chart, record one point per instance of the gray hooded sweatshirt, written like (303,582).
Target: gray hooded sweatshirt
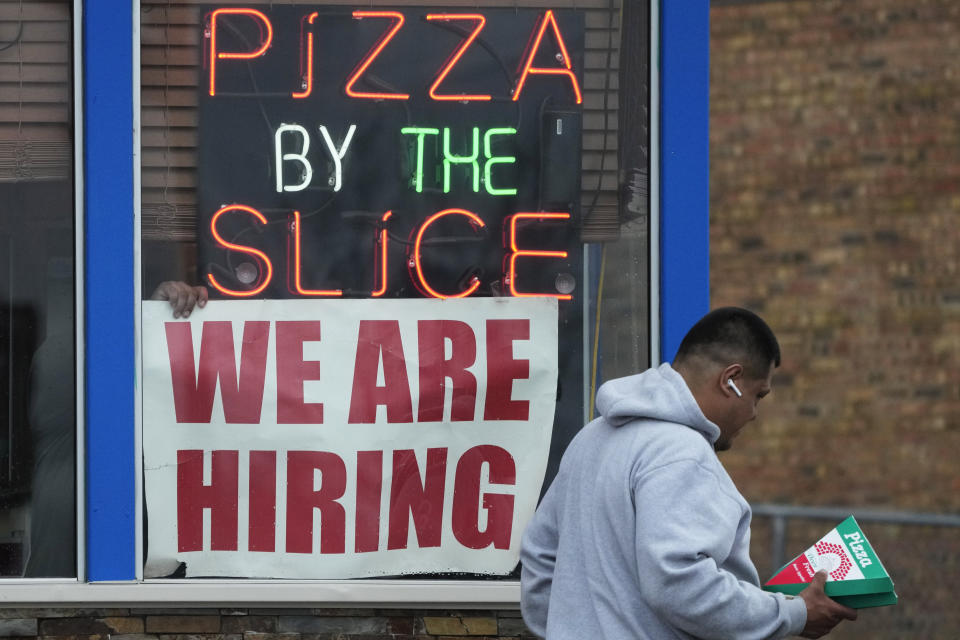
(642,534)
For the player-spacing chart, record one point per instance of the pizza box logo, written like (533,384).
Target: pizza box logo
(855,575)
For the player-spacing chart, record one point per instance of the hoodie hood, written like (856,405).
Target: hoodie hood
(656,394)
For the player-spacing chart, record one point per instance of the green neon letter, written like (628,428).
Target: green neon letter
(492,160)
(420,132)
(449,158)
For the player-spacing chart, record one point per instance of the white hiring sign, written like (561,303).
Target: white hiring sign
(345,439)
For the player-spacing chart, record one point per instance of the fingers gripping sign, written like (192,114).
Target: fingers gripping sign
(181,296)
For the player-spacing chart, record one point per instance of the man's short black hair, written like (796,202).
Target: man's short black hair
(731,334)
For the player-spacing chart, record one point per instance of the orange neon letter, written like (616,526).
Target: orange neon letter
(456,54)
(383,258)
(528,68)
(296,265)
(416,252)
(308,76)
(388,35)
(242,249)
(215,55)
(516,252)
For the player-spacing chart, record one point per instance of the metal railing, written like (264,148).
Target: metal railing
(779,514)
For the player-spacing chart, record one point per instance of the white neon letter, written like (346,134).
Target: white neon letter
(336,154)
(299,157)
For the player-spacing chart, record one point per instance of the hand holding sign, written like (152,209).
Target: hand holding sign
(181,296)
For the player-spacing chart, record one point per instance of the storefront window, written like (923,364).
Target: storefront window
(408,224)
(37,317)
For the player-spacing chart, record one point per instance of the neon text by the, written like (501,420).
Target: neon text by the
(301,141)
(470,160)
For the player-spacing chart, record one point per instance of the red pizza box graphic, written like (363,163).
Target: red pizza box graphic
(856,577)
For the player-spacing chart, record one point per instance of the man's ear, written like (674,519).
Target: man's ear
(730,372)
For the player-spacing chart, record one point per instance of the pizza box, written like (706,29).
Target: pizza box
(867,600)
(856,577)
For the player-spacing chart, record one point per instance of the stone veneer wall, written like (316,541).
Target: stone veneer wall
(258,624)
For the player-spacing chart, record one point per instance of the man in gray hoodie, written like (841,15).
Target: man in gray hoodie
(643,534)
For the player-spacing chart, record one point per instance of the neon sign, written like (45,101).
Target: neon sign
(566,71)
(388,153)
(362,67)
(418,247)
(267,266)
(306,72)
(265,35)
(481,22)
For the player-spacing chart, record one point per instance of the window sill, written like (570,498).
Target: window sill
(418,594)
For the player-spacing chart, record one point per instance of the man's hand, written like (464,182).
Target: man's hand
(823,614)
(182,297)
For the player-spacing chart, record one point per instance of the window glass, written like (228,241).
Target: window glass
(408,225)
(37,332)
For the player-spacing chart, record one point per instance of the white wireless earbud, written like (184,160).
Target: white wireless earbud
(733,386)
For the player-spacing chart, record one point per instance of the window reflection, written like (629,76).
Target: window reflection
(37,350)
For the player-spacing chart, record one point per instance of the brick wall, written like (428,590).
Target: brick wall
(835,192)
(258,624)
